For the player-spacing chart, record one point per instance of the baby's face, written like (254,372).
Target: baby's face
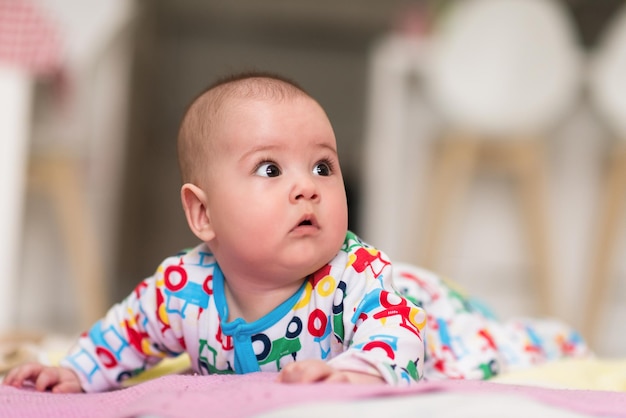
(276,196)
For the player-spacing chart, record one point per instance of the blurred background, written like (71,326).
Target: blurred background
(482,139)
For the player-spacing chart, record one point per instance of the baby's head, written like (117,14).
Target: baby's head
(262,182)
(204,115)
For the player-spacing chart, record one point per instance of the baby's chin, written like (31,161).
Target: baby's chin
(297,260)
(305,269)
(308,267)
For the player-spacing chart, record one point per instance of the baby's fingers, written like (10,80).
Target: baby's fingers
(306,371)
(47,379)
(67,387)
(17,376)
(337,377)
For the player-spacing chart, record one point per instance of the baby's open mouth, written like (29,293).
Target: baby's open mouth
(307,221)
(307,226)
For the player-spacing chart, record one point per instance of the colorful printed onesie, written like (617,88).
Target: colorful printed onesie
(347,313)
(465,341)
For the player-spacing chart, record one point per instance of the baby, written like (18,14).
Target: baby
(278,283)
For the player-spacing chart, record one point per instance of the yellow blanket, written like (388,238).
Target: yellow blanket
(591,374)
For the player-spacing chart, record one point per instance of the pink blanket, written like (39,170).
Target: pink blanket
(248,395)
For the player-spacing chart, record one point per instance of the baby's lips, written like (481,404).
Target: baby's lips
(308,219)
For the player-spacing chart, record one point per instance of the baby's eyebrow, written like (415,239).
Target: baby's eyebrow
(328,147)
(267,148)
(325,147)
(257,150)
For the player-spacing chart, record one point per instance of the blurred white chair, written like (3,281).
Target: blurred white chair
(70,152)
(77,150)
(607,88)
(502,74)
(29,52)
(398,128)
(15,106)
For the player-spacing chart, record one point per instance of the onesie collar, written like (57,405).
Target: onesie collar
(239,326)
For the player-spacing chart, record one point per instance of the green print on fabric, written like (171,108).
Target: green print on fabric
(411,369)
(351,241)
(279,349)
(464,304)
(210,366)
(338,328)
(489,369)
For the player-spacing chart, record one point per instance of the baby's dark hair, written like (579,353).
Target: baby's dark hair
(204,111)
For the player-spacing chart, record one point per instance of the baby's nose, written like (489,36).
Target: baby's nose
(305,189)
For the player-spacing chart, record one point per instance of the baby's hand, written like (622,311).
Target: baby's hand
(55,379)
(309,371)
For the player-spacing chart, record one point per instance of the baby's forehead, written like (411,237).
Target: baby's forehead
(225,105)
(242,109)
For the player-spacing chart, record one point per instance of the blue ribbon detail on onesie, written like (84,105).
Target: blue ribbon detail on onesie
(242,331)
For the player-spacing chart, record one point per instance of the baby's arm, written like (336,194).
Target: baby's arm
(383,331)
(314,370)
(52,378)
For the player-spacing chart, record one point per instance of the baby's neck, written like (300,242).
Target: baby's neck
(254,302)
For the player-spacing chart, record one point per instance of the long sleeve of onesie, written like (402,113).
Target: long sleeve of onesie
(133,336)
(383,331)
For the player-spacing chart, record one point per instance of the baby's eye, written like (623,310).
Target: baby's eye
(322,169)
(267,170)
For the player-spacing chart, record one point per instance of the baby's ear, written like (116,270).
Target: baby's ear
(197,212)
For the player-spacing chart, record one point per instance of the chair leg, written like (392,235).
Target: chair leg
(61,179)
(611,215)
(454,169)
(528,160)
